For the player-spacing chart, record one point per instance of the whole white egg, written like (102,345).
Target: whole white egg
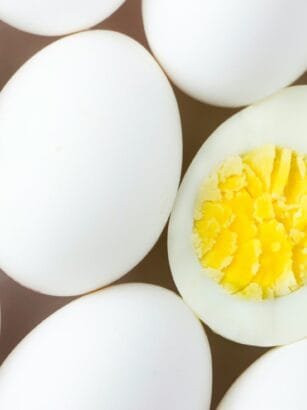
(275,381)
(90,159)
(228,52)
(128,347)
(256,294)
(56,17)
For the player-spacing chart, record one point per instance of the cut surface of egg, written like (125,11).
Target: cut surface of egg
(250,223)
(128,347)
(276,381)
(90,160)
(228,52)
(238,234)
(56,17)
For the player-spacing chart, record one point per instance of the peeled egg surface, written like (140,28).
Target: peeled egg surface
(90,159)
(275,381)
(228,52)
(56,17)
(128,347)
(249,284)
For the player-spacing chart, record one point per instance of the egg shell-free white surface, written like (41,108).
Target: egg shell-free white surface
(56,17)
(276,381)
(228,52)
(128,347)
(281,120)
(90,160)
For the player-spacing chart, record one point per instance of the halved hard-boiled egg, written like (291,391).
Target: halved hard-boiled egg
(276,381)
(238,233)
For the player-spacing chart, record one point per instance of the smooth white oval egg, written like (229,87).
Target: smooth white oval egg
(90,160)
(56,17)
(268,321)
(275,381)
(128,347)
(228,52)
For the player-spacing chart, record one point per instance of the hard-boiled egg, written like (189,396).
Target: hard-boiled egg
(90,159)
(56,17)
(228,52)
(129,347)
(276,381)
(238,233)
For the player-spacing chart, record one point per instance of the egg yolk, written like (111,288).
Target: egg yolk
(250,223)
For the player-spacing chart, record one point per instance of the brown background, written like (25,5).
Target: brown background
(23,309)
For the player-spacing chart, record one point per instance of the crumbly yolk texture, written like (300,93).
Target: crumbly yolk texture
(250,223)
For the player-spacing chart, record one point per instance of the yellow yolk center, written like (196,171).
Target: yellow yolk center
(250,223)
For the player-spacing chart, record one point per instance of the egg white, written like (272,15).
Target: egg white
(280,120)
(128,347)
(90,161)
(275,381)
(228,52)
(56,17)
